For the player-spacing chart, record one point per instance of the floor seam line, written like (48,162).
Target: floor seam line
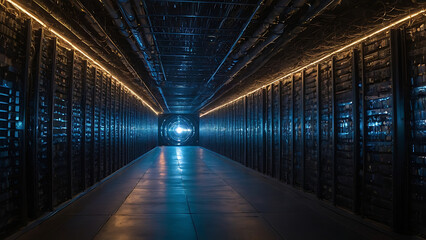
(187,203)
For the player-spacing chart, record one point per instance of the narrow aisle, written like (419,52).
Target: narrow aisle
(190,193)
(179,192)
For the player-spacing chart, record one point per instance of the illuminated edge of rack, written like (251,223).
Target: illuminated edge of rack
(17,6)
(320,59)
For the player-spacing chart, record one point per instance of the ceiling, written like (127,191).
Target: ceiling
(191,48)
(190,40)
(186,56)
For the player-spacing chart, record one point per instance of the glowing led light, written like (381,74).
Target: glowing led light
(322,58)
(179,130)
(26,12)
(17,6)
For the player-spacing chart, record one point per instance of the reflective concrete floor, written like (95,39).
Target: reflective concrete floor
(193,193)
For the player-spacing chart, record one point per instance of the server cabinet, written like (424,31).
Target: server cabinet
(64,122)
(344,130)
(287,133)
(416,43)
(14,41)
(310,130)
(276,133)
(349,128)
(377,188)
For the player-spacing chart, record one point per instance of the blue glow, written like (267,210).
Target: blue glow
(179,130)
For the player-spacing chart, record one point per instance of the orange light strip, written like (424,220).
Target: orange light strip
(80,51)
(26,12)
(322,58)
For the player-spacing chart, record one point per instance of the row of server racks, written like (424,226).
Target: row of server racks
(350,129)
(65,124)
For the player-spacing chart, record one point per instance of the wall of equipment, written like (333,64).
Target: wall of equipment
(351,129)
(64,123)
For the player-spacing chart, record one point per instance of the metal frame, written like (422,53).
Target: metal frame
(26,124)
(356,135)
(70,124)
(245,132)
(94,156)
(83,125)
(35,102)
(50,112)
(302,129)
(333,127)
(364,129)
(318,132)
(280,115)
(293,135)
(400,87)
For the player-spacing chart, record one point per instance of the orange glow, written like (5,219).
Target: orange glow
(322,58)
(162,162)
(26,12)
(17,6)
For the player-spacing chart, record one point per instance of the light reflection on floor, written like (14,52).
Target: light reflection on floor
(192,193)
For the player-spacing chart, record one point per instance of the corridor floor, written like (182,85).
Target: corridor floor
(193,193)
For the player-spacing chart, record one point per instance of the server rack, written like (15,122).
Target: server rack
(416,43)
(77,126)
(286,120)
(13,59)
(60,119)
(298,147)
(378,124)
(351,128)
(345,129)
(56,109)
(276,133)
(310,133)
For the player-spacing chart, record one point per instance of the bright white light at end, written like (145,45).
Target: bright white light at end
(179,130)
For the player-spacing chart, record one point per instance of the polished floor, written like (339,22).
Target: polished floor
(193,193)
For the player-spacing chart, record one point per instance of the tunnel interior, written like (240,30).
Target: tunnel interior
(257,117)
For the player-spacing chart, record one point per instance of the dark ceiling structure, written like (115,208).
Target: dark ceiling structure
(188,56)
(191,48)
(184,43)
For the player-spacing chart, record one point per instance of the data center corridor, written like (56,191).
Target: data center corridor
(212,119)
(190,193)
